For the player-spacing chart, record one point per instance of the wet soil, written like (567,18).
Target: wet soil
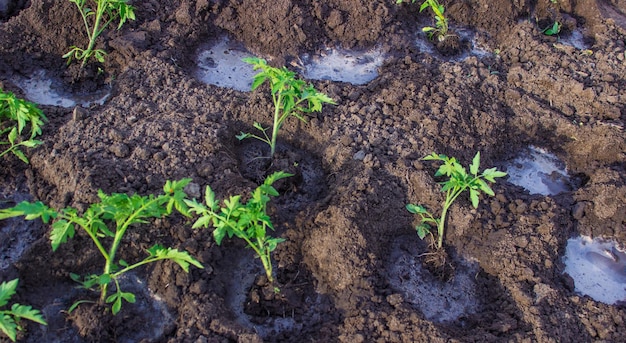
(342,217)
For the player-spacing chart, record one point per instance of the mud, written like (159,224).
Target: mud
(360,165)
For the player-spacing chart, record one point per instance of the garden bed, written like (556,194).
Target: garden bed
(345,267)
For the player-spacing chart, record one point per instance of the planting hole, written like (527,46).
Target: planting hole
(357,68)
(243,277)
(540,172)
(222,65)
(598,268)
(439,301)
(147,320)
(43,90)
(16,234)
(575,39)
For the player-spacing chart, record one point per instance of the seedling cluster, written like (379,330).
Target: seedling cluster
(15,115)
(110,219)
(458,181)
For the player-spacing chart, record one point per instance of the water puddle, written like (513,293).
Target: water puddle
(16,234)
(149,310)
(470,46)
(439,301)
(539,172)
(357,68)
(243,277)
(221,65)
(43,90)
(575,39)
(598,268)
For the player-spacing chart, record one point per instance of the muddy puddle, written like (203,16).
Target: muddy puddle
(44,90)
(438,300)
(149,312)
(354,67)
(539,172)
(598,268)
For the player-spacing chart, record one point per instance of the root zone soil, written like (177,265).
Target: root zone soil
(352,263)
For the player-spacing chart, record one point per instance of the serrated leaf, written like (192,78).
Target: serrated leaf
(7,290)
(485,188)
(8,326)
(491,173)
(475,164)
(27,312)
(182,258)
(474,197)
(61,231)
(12,135)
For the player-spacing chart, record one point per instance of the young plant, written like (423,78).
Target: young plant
(15,115)
(440,30)
(108,220)
(9,319)
(247,221)
(553,30)
(459,180)
(106,11)
(291,97)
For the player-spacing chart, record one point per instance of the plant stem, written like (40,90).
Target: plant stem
(276,126)
(116,242)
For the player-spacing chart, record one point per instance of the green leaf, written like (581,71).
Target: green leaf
(61,231)
(422,230)
(243,135)
(27,312)
(485,188)
(491,173)
(12,135)
(475,164)
(182,258)
(7,290)
(8,326)
(416,209)
(474,197)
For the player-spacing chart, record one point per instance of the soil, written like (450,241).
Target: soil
(343,215)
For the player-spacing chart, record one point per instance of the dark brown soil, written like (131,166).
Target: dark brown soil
(340,221)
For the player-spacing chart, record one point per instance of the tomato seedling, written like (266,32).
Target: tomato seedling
(109,219)
(9,319)
(15,115)
(106,11)
(291,97)
(459,180)
(246,221)
(440,30)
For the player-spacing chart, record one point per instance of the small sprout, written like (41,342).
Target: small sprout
(9,318)
(247,221)
(291,97)
(552,30)
(459,180)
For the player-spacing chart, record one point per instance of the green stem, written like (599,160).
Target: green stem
(116,242)
(277,123)
(93,35)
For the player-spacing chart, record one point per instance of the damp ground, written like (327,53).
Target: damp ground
(359,162)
